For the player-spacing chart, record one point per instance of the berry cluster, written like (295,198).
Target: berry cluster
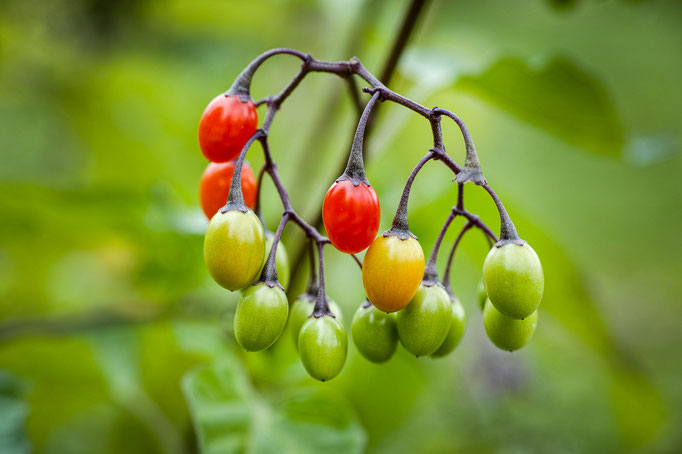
(406,301)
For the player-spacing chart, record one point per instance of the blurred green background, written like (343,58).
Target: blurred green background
(113,338)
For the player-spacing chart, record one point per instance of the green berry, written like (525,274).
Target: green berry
(323,345)
(505,332)
(481,295)
(456,329)
(260,317)
(425,321)
(374,333)
(513,279)
(302,309)
(234,247)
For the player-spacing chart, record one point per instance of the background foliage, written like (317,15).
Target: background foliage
(113,338)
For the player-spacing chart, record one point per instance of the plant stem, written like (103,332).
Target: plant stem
(400,224)
(269,274)
(448,266)
(313,286)
(235,198)
(431,270)
(321,304)
(355,169)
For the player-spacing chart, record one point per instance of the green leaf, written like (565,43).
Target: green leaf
(561,98)
(230,416)
(638,406)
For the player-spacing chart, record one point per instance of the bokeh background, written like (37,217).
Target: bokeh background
(113,338)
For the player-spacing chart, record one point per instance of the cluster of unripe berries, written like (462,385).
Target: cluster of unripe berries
(404,304)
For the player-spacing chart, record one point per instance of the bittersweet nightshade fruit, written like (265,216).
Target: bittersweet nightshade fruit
(234,248)
(374,333)
(260,317)
(505,332)
(226,125)
(424,323)
(513,279)
(391,271)
(351,215)
(456,331)
(302,309)
(215,185)
(323,345)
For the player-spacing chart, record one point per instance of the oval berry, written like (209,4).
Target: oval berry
(215,186)
(508,333)
(374,333)
(323,345)
(226,125)
(260,317)
(424,323)
(391,272)
(456,330)
(351,216)
(234,247)
(481,295)
(513,279)
(302,309)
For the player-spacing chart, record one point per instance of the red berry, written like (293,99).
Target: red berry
(351,216)
(225,127)
(215,186)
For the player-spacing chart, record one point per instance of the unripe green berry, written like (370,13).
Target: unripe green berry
(513,279)
(323,345)
(260,317)
(234,247)
(425,321)
(505,332)
(302,309)
(456,330)
(481,295)
(374,333)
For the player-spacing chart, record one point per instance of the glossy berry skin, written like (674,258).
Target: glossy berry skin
(226,125)
(481,295)
(351,216)
(374,333)
(391,272)
(260,317)
(323,345)
(215,186)
(234,247)
(281,259)
(513,279)
(424,323)
(302,309)
(456,331)
(505,332)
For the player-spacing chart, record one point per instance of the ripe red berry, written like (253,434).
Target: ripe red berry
(225,127)
(215,186)
(351,215)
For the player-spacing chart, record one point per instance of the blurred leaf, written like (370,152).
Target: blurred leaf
(638,406)
(642,151)
(561,98)
(230,417)
(13,412)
